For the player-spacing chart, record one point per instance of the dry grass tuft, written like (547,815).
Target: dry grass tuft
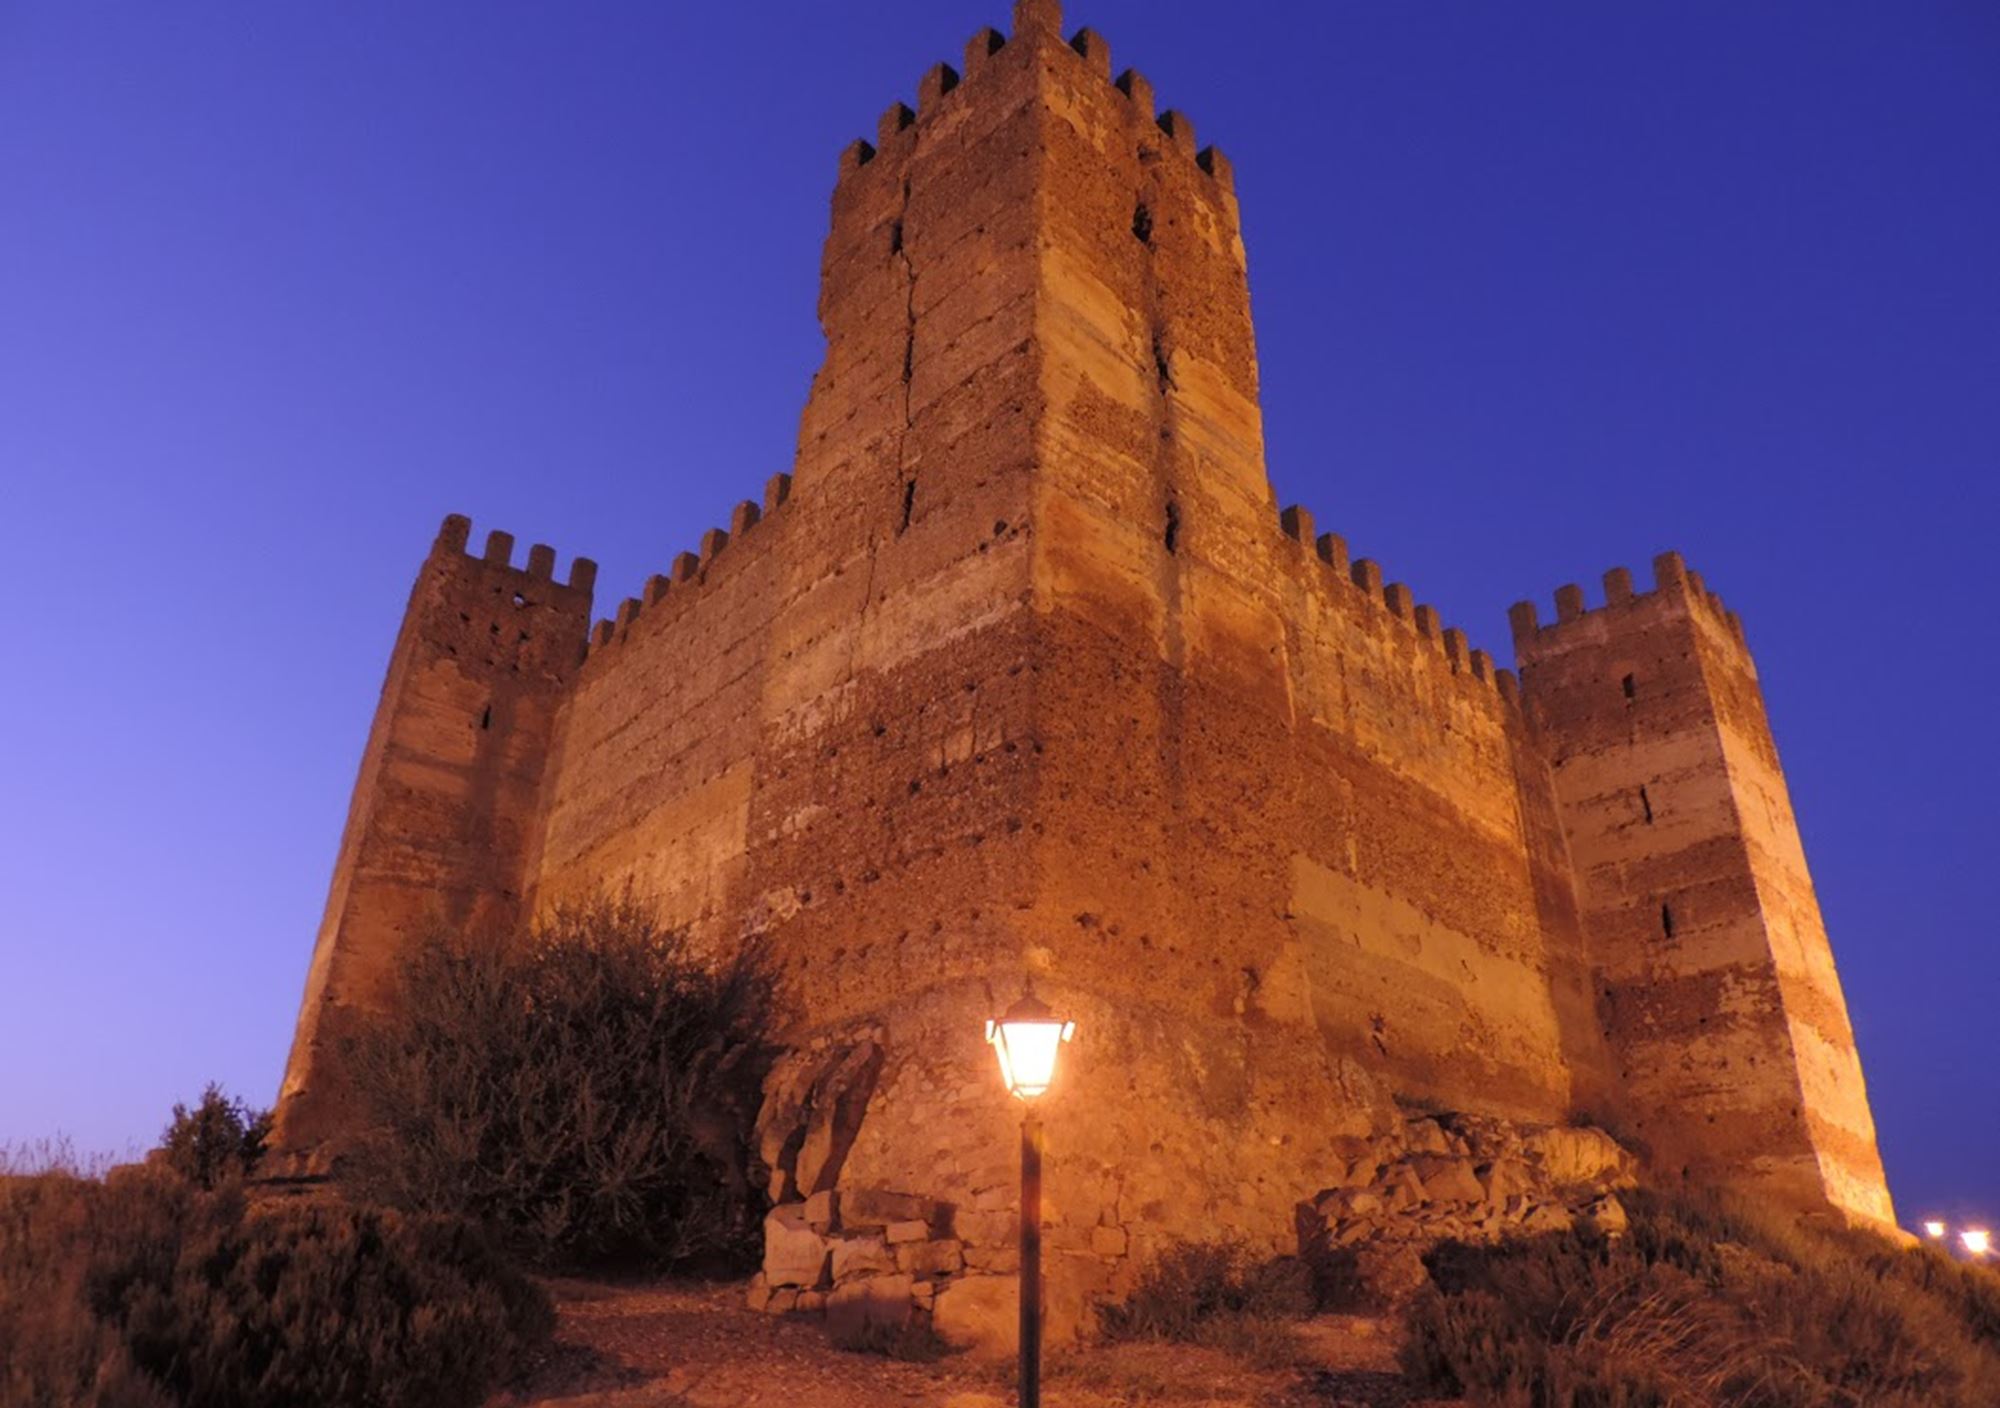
(1219,1294)
(1707,1305)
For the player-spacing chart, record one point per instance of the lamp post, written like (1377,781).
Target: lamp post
(1026,1038)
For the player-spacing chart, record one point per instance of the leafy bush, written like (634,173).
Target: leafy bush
(586,1090)
(218,1140)
(1217,1293)
(147,1292)
(1703,1303)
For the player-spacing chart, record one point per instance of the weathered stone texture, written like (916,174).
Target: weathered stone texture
(1022,671)
(445,809)
(1722,1003)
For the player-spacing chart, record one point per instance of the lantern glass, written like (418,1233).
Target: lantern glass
(1026,1040)
(1934,1229)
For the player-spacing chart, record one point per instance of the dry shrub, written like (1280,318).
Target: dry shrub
(54,1351)
(911,1342)
(1710,1305)
(1220,1294)
(585,1090)
(146,1292)
(218,1141)
(57,1153)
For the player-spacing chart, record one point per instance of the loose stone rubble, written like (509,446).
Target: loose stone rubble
(1458,1178)
(868,1256)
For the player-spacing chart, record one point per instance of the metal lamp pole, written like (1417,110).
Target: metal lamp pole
(1026,1040)
(1031,1257)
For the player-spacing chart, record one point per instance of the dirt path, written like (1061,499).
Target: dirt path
(681,1345)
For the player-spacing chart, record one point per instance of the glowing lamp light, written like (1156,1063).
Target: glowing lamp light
(1934,1230)
(1026,1038)
(1976,1240)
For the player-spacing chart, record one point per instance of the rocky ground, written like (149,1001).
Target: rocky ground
(877,1265)
(687,1345)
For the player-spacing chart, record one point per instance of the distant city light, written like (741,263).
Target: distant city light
(1934,1230)
(1976,1240)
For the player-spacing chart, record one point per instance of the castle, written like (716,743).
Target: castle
(1022,671)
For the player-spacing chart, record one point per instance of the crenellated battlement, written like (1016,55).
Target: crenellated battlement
(690,569)
(1447,645)
(1032,18)
(454,537)
(1671,579)
(484,611)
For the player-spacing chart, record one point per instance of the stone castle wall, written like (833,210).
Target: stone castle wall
(1738,1059)
(447,803)
(1021,672)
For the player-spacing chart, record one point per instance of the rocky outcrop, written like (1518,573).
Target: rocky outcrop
(814,1100)
(1455,1178)
(880,1257)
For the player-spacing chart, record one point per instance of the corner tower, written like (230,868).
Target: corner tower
(1723,1007)
(444,807)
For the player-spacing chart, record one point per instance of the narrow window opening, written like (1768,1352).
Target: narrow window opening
(1173,535)
(1142,223)
(1161,368)
(896,238)
(909,503)
(1630,684)
(1667,920)
(486,719)
(1646,805)
(909,357)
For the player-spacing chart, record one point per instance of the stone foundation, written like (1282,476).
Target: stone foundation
(877,1257)
(1457,1178)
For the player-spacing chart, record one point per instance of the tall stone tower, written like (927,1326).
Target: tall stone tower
(446,802)
(1721,998)
(1022,673)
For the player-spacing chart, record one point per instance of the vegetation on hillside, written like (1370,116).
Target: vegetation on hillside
(585,1090)
(147,1290)
(1220,1294)
(216,1142)
(1711,1306)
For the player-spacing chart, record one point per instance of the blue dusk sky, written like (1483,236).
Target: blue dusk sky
(1541,288)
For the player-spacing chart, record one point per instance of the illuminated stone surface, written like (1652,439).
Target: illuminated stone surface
(1022,670)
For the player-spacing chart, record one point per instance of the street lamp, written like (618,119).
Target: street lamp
(1934,1230)
(1026,1038)
(1976,1240)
